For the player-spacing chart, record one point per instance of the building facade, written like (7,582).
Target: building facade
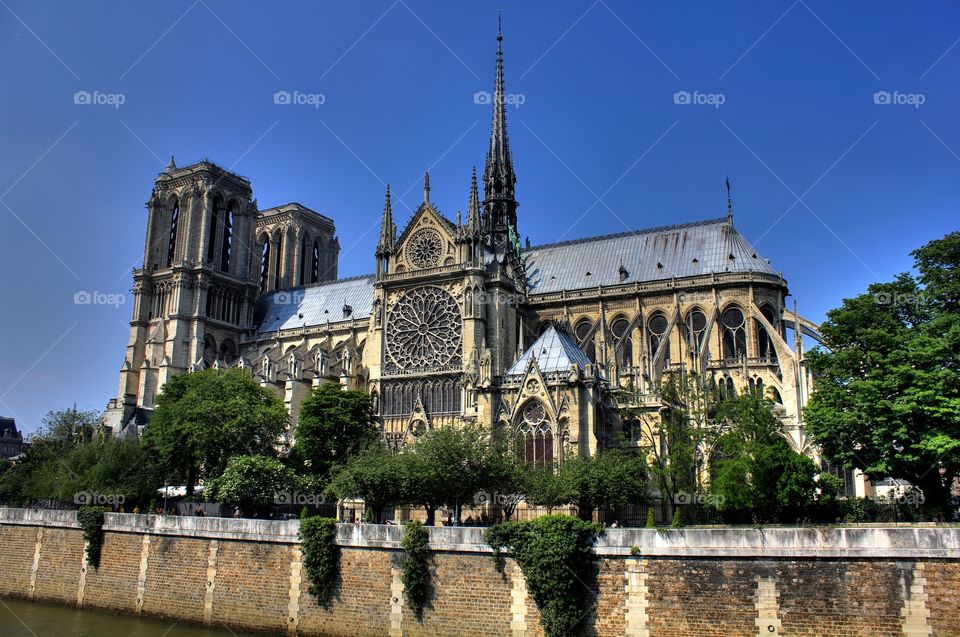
(11,440)
(460,321)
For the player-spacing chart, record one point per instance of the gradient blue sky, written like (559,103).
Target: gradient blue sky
(832,187)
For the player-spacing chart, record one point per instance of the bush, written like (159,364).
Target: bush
(548,549)
(651,520)
(91,523)
(677,519)
(416,571)
(321,555)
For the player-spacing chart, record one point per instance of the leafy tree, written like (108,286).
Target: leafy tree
(204,418)
(448,466)
(756,474)
(333,424)
(687,425)
(887,399)
(251,482)
(67,426)
(375,475)
(545,487)
(610,478)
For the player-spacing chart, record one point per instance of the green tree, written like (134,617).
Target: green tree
(757,476)
(611,478)
(251,482)
(545,487)
(333,424)
(374,474)
(887,399)
(448,466)
(204,418)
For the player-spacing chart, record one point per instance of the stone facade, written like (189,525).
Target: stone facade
(435,334)
(247,575)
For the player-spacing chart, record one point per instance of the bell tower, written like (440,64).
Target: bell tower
(194,295)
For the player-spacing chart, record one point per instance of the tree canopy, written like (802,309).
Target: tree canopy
(887,398)
(204,418)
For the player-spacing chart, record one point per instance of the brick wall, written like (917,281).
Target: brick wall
(247,575)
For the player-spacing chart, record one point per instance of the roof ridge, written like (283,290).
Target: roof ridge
(628,233)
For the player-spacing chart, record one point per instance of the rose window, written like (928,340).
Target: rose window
(424,248)
(424,330)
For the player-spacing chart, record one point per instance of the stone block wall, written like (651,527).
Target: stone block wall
(247,574)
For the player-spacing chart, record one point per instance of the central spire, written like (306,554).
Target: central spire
(498,176)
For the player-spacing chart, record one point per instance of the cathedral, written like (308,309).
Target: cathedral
(460,321)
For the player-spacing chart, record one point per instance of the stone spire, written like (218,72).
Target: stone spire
(498,176)
(729,204)
(387,229)
(473,209)
(426,187)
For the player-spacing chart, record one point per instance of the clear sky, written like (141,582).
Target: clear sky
(623,115)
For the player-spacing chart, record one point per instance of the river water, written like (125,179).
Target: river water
(27,619)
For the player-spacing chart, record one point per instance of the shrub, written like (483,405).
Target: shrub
(321,555)
(415,568)
(548,549)
(677,519)
(91,522)
(651,520)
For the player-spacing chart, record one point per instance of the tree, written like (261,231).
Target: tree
(333,423)
(251,482)
(546,488)
(373,474)
(887,399)
(673,437)
(757,476)
(204,418)
(609,478)
(448,466)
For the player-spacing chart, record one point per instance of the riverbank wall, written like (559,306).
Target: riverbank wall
(248,575)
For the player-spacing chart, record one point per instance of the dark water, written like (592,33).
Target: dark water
(26,619)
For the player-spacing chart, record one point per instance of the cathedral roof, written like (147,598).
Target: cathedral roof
(555,351)
(331,302)
(692,249)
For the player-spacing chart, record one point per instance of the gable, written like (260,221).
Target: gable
(427,241)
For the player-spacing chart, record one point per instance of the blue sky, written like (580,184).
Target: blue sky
(832,186)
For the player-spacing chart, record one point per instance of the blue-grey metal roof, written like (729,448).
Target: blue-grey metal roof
(692,249)
(555,351)
(316,304)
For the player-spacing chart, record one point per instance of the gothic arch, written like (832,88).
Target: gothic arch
(534,434)
(733,332)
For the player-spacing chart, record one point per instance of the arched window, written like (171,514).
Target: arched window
(582,332)
(227,244)
(734,334)
(215,215)
(623,342)
(315,262)
(727,390)
(174,222)
(657,326)
(209,350)
(696,330)
(228,352)
(535,436)
(265,264)
(764,342)
(276,263)
(302,266)
(759,388)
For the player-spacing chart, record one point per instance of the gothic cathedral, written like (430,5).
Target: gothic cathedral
(461,321)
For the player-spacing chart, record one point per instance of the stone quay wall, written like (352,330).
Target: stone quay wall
(248,575)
